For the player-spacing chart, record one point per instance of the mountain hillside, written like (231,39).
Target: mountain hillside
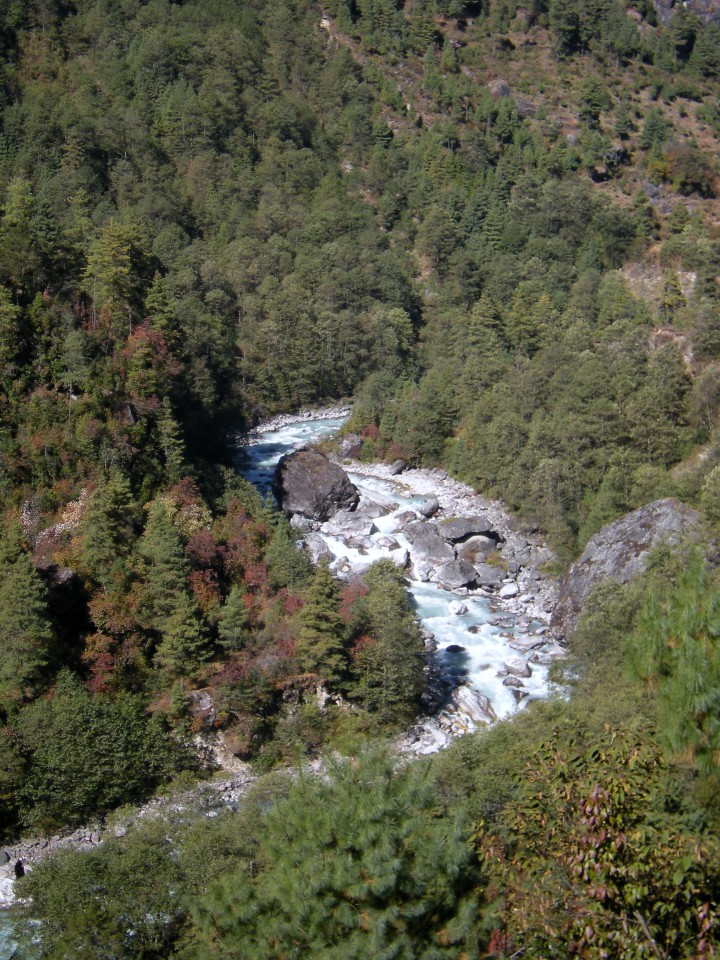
(495,227)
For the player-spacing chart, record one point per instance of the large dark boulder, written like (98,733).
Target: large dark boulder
(307,483)
(619,551)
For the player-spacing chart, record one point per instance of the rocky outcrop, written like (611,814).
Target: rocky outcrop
(619,551)
(307,483)
(707,11)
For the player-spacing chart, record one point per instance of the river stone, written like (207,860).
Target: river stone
(476,548)
(396,467)
(423,570)
(373,509)
(457,573)
(429,507)
(524,644)
(427,544)
(508,591)
(317,548)
(347,524)
(307,483)
(487,575)
(454,648)
(513,682)
(460,528)
(519,668)
(387,543)
(474,705)
(361,544)
(457,608)
(619,551)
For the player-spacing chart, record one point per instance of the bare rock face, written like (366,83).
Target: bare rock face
(307,483)
(707,11)
(619,551)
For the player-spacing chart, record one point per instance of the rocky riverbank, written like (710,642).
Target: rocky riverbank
(518,578)
(206,799)
(335,411)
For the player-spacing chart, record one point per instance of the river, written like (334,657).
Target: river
(484,643)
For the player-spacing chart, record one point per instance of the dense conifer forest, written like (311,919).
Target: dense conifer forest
(495,226)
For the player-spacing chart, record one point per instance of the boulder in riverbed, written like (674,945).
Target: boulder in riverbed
(487,575)
(476,548)
(508,591)
(427,544)
(348,524)
(518,667)
(457,608)
(460,528)
(429,507)
(307,483)
(457,573)
(350,445)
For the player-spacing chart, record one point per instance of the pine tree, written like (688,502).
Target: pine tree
(25,628)
(172,444)
(390,665)
(10,335)
(108,529)
(232,626)
(184,643)
(166,568)
(321,639)
(354,865)
(158,307)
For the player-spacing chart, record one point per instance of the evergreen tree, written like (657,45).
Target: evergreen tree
(232,625)
(321,638)
(172,444)
(184,643)
(108,529)
(10,339)
(354,865)
(25,629)
(288,566)
(594,99)
(390,662)
(655,130)
(166,568)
